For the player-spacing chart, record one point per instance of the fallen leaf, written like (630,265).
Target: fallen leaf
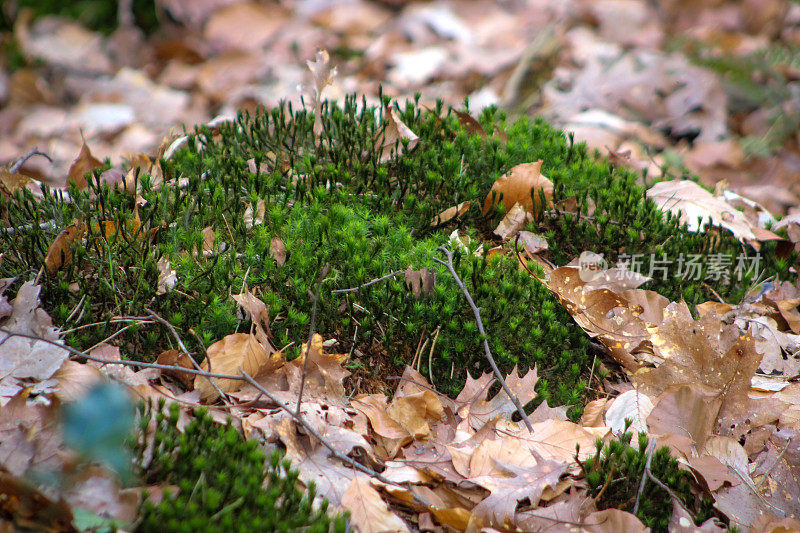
(420,281)
(450,213)
(59,254)
(520,483)
(368,512)
(227,356)
(389,142)
(513,221)
(323,75)
(522,184)
(277,251)
(631,405)
(83,164)
(167,277)
(472,126)
(695,206)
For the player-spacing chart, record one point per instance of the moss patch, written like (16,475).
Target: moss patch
(336,201)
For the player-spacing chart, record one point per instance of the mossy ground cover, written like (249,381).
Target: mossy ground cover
(220,481)
(337,199)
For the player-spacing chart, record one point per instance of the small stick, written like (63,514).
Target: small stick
(347,460)
(24,159)
(477,312)
(315,298)
(367,284)
(79,353)
(430,353)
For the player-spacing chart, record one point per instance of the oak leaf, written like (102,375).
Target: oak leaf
(522,184)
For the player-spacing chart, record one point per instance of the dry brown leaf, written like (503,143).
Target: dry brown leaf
(227,356)
(252,219)
(83,164)
(531,242)
(176,358)
(613,521)
(472,126)
(389,142)
(420,281)
(277,251)
(59,254)
(11,182)
(519,483)
(74,380)
(368,512)
(695,206)
(323,74)
(478,411)
(513,221)
(632,405)
(522,184)
(450,213)
(689,410)
(416,412)
(24,358)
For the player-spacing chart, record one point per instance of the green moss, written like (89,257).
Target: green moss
(332,201)
(225,483)
(615,473)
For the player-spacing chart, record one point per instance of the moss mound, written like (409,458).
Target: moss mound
(339,200)
(224,483)
(615,473)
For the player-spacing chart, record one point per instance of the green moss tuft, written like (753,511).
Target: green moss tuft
(615,473)
(225,483)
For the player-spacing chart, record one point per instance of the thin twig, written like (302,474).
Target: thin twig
(367,284)
(430,353)
(644,474)
(345,459)
(477,312)
(24,159)
(315,297)
(74,351)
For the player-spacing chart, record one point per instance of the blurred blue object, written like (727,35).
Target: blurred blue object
(98,425)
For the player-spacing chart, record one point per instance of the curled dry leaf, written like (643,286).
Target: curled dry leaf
(696,206)
(472,126)
(83,164)
(450,213)
(631,405)
(532,243)
(176,358)
(254,217)
(59,254)
(277,251)
(388,143)
(420,281)
(167,278)
(523,184)
(323,75)
(516,219)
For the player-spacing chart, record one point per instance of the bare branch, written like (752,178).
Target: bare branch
(24,159)
(477,312)
(172,368)
(315,298)
(367,284)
